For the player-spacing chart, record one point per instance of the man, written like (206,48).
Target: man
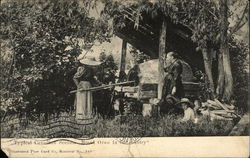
(172,82)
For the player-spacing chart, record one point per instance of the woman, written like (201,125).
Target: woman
(84,79)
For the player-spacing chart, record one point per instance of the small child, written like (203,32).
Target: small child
(188,111)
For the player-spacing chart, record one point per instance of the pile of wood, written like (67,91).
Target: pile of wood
(217,110)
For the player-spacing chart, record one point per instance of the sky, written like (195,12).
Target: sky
(113,47)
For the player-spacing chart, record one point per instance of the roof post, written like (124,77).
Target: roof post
(123,56)
(162,49)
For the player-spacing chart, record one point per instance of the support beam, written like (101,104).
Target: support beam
(162,49)
(123,56)
(146,47)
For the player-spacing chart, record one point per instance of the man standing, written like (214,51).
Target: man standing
(173,81)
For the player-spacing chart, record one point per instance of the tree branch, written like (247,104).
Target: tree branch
(238,24)
(216,17)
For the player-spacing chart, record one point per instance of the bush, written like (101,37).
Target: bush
(239,61)
(44,39)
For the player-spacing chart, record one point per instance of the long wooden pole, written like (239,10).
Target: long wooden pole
(101,87)
(162,49)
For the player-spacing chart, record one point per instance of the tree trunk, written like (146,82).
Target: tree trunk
(224,49)
(221,77)
(208,68)
(228,91)
(162,49)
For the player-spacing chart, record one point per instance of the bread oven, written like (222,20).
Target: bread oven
(148,83)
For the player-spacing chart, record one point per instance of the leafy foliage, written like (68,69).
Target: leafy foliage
(239,52)
(199,16)
(139,56)
(38,32)
(108,68)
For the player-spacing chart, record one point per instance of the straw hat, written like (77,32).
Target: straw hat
(86,59)
(186,100)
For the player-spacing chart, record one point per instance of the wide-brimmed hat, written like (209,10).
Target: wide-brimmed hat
(88,60)
(186,100)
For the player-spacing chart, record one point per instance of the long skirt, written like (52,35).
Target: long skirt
(84,102)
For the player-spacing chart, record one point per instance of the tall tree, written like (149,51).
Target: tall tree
(224,50)
(225,79)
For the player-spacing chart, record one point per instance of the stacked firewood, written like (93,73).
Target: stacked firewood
(217,110)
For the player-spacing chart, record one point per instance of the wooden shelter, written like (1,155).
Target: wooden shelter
(155,36)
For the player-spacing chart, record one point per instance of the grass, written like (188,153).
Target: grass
(123,126)
(161,127)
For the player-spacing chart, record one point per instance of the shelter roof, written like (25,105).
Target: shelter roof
(145,37)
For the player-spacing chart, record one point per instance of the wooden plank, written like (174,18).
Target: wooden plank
(162,49)
(220,104)
(131,95)
(148,87)
(123,56)
(231,107)
(212,106)
(148,94)
(130,89)
(223,111)
(213,103)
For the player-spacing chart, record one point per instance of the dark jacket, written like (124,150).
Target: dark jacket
(85,74)
(133,75)
(173,78)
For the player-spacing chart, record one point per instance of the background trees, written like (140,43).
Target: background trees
(44,39)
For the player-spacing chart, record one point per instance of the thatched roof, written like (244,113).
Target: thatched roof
(145,37)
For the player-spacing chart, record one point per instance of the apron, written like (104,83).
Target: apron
(84,102)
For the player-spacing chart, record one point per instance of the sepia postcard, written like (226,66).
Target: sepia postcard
(124,78)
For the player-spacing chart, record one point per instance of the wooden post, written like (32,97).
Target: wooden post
(123,56)
(162,49)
